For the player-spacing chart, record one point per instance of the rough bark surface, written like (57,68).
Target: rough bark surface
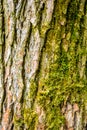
(43,65)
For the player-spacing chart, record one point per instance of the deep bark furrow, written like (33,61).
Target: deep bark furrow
(9,38)
(1,59)
(19,8)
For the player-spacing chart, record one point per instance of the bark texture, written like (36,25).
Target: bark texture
(43,64)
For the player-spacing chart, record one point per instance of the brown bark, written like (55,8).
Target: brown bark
(33,34)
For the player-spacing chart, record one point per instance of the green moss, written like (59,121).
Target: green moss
(29,116)
(64,82)
(28,119)
(33,92)
(18,122)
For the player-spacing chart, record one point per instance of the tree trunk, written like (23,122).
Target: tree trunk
(43,65)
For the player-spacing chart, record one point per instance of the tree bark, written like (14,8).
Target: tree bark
(43,65)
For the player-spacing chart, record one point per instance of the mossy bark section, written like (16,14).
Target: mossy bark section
(43,65)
